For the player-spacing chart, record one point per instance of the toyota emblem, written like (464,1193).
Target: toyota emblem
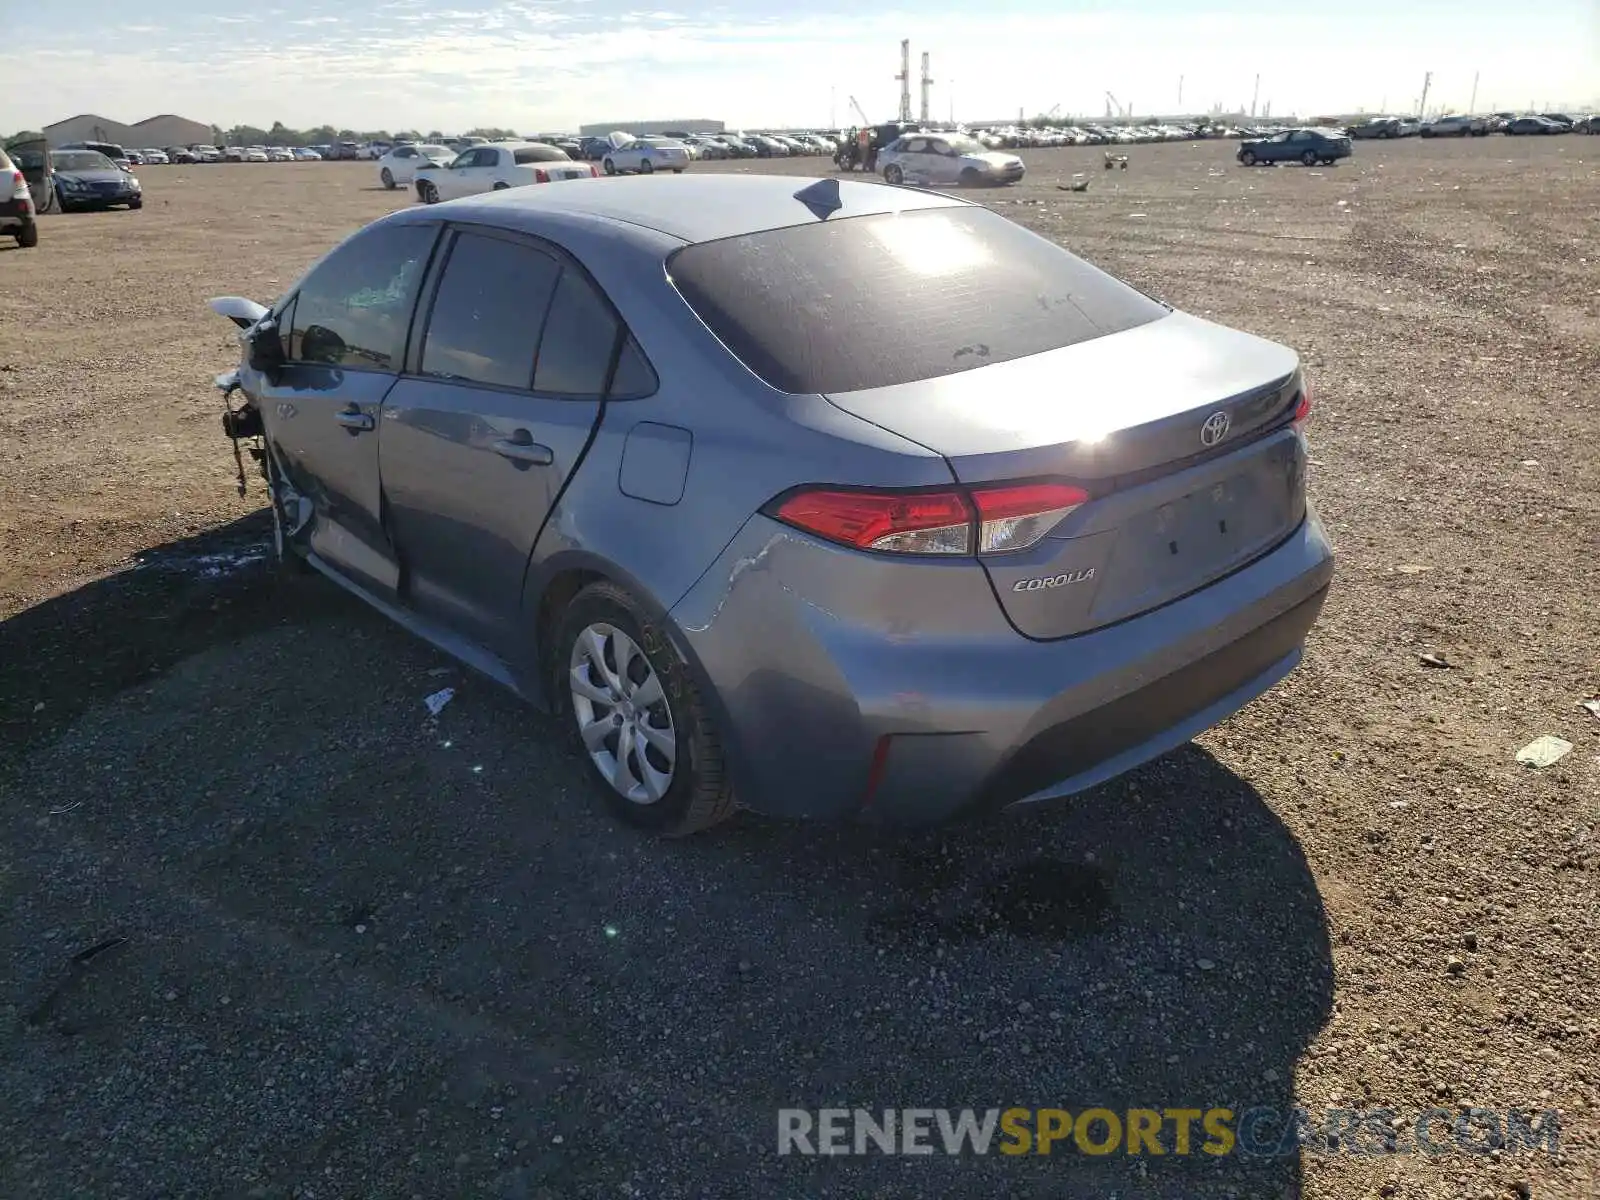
(1215,429)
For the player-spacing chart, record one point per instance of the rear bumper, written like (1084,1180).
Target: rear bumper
(18,210)
(874,718)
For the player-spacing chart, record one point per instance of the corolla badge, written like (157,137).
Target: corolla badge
(1053,581)
(1215,428)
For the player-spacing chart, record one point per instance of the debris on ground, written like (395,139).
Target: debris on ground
(1430,659)
(438,700)
(1543,751)
(1592,704)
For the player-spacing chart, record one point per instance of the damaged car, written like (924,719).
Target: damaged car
(1000,528)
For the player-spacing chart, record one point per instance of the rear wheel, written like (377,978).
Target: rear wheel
(609,167)
(1309,158)
(388,179)
(646,167)
(638,716)
(501,186)
(427,193)
(893,174)
(1248,158)
(28,236)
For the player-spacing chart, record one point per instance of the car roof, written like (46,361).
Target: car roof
(692,208)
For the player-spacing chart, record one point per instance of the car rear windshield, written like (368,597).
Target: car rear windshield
(533,154)
(893,298)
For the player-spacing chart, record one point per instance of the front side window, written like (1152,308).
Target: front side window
(487,313)
(353,309)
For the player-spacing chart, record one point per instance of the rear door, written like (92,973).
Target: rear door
(505,383)
(31,156)
(346,328)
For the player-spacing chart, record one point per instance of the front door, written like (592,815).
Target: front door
(469,174)
(344,333)
(32,157)
(479,437)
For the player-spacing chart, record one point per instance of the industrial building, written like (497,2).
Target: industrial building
(165,130)
(640,128)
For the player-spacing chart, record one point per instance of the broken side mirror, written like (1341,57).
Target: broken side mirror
(266,349)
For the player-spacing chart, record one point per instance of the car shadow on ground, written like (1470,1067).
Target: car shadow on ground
(260,898)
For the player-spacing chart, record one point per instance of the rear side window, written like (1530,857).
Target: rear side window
(894,298)
(579,335)
(354,308)
(486,316)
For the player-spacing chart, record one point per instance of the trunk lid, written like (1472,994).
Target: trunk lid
(1178,430)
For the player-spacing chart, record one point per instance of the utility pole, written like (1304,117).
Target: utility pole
(1427,82)
(1255,96)
(1180,93)
(904,79)
(1473,106)
(833,107)
(927,82)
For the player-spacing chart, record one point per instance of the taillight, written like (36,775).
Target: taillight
(540,175)
(17,181)
(1303,409)
(1014,518)
(594,172)
(991,520)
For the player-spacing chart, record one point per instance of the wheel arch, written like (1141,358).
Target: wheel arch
(553,584)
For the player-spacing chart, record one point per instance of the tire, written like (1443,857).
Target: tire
(646,167)
(500,187)
(135,205)
(609,167)
(1248,158)
(1309,158)
(970,178)
(893,174)
(427,193)
(387,179)
(677,170)
(694,791)
(1327,162)
(28,236)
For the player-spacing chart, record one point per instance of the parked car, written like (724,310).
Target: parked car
(347,151)
(135,158)
(256,154)
(1561,119)
(1589,124)
(480,418)
(1523,126)
(88,179)
(398,168)
(494,167)
(1459,125)
(110,150)
(1308,146)
(207,154)
(279,154)
(305,154)
(644,156)
(937,160)
(18,214)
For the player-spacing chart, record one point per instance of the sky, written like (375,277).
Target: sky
(550,65)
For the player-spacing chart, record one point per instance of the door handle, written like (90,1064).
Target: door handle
(354,419)
(524,451)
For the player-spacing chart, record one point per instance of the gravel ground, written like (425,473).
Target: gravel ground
(273,931)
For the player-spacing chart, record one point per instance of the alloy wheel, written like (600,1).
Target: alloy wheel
(622,713)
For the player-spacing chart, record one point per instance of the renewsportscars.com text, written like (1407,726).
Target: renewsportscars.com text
(1260,1132)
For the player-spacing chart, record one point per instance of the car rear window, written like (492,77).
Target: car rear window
(894,298)
(533,154)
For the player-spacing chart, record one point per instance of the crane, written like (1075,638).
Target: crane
(856,104)
(1053,113)
(1114,106)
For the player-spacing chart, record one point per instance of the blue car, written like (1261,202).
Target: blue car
(1308,146)
(88,179)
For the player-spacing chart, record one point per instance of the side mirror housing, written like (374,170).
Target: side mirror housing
(267,354)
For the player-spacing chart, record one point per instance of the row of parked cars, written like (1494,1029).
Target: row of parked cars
(1469,125)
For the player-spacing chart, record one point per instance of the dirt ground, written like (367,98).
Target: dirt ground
(272,931)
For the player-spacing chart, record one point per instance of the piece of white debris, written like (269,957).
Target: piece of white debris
(1411,568)
(1543,751)
(438,700)
(1592,704)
